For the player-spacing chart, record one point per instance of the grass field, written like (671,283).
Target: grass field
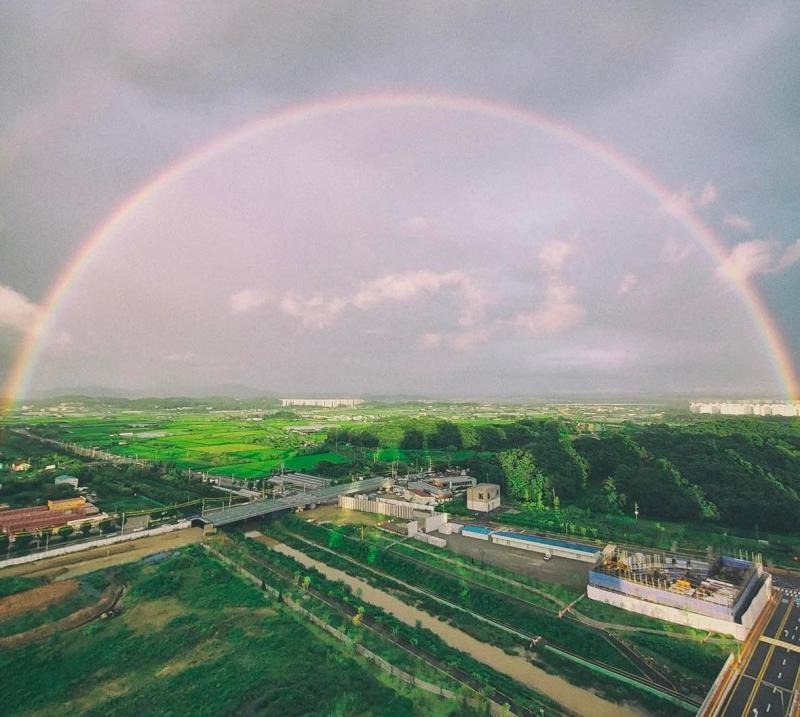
(192,638)
(221,445)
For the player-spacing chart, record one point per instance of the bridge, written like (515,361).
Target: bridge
(259,508)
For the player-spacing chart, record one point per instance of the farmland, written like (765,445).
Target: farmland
(191,632)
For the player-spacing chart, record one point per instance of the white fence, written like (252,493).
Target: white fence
(102,542)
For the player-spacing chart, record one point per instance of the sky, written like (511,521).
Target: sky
(428,247)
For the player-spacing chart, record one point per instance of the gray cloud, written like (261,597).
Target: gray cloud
(97,102)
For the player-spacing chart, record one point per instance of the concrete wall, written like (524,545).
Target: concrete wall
(665,612)
(758,603)
(102,542)
(431,540)
(434,522)
(416,506)
(396,509)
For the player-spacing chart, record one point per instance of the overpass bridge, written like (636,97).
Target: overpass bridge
(259,508)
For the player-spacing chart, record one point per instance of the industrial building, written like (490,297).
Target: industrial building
(483,497)
(455,481)
(56,514)
(547,546)
(551,547)
(725,595)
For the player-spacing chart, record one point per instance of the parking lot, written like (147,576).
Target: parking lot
(571,573)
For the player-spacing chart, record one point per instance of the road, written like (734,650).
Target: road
(258,508)
(772,673)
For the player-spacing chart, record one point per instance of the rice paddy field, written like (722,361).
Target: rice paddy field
(228,444)
(221,445)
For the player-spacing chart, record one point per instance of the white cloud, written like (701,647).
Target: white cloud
(430,340)
(673,252)
(16,310)
(553,255)
(790,256)
(759,256)
(320,311)
(317,310)
(247,300)
(685,202)
(627,283)
(709,195)
(743,224)
(557,313)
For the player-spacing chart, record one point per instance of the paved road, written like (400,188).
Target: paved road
(773,672)
(264,507)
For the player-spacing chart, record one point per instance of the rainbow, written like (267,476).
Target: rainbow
(25,362)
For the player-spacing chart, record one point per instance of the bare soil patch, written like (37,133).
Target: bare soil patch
(36,599)
(76,619)
(338,516)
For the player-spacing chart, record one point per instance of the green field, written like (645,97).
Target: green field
(191,633)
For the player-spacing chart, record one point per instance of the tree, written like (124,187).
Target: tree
(85,529)
(614,501)
(519,467)
(413,439)
(23,540)
(66,531)
(107,526)
(447,435)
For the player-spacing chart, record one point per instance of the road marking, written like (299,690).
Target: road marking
(780,643)
(764,665)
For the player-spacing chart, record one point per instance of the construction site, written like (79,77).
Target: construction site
(725,594)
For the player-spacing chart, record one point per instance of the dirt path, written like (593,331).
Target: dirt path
(574,698)
(64,567)
(36,598)
(78,618)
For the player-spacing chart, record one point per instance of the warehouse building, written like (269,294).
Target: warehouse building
(56,514)
(551,546)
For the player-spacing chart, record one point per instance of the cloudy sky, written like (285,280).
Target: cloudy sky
(432,247)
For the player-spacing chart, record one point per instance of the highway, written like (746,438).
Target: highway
(772,674)
(258,508)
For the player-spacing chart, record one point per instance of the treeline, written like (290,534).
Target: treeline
(739,472)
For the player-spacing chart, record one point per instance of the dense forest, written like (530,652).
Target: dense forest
(737,472)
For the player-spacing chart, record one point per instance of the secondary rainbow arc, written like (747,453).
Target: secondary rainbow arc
(25,362)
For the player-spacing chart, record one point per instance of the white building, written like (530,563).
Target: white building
(483,497)
(747,408)
(322,402)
